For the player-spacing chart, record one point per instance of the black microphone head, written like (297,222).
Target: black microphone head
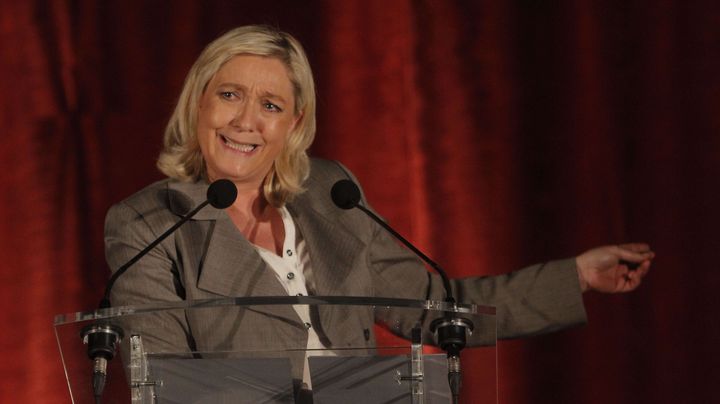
(222,193)
(345,194)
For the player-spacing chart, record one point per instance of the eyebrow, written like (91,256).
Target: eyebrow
(266,94)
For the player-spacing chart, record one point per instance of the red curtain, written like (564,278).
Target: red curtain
(492,134)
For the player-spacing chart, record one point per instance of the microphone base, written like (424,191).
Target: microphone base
(451,333)
(102,339)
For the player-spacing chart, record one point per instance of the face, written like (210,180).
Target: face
(244,118)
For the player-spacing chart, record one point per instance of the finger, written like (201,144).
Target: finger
(630,265)
(643,269)
(629,282)
(634,278)
(631,255)
(636,247)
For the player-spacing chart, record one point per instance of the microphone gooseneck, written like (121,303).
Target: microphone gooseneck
(103,337)
(451,331)
(220,194)
(346,195)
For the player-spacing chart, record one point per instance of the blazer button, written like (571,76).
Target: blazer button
(291,275)
(308,326)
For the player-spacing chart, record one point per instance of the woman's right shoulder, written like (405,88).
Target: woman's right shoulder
(159,203)
(152,206)
(151,197)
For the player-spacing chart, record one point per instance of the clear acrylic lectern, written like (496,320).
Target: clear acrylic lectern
(271,369)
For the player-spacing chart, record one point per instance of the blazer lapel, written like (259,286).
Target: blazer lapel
(230,265)
(333,251)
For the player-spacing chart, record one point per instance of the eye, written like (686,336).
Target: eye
(228,95)
(271,107)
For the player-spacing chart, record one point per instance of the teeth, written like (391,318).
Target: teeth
(243,147)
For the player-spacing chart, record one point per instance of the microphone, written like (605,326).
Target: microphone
(451,331)
(345,194)
(103,337)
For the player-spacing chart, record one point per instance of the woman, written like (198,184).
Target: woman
(247,113)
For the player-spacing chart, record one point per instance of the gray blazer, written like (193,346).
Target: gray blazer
(350,256)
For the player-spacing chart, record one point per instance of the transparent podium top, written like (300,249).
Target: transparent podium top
(256,328)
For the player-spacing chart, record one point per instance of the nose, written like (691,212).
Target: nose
(245,118)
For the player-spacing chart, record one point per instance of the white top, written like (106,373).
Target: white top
(290,269)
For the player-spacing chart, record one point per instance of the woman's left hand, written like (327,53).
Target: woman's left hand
(608,269)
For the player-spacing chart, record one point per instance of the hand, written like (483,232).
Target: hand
(607,269)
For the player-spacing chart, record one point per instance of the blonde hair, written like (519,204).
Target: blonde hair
(181,157)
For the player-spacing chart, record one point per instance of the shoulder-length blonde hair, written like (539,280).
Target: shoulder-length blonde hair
(181,158)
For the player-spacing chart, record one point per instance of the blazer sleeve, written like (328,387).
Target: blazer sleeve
(534,300)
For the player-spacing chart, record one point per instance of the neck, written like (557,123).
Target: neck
(257,220)
(250,204)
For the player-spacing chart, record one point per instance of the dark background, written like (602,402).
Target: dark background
(494,134)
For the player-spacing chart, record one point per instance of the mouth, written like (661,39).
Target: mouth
(241,147)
